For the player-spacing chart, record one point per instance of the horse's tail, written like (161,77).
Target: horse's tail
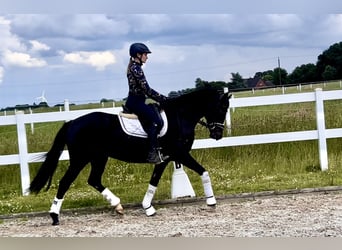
(49,166)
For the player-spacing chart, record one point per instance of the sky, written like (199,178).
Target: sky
(83,57)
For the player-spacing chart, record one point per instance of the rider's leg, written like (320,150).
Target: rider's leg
(151,124)
(154,155)
(153,128)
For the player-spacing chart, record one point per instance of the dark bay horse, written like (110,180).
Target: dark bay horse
(94,137)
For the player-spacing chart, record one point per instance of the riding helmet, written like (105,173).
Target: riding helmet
(138,48)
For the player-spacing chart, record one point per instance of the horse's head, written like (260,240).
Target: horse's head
(206,102)
(216,116)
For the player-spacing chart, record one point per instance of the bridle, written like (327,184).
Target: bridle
(211,125)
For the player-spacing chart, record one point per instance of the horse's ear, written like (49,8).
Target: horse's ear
(224,100)
(226,95)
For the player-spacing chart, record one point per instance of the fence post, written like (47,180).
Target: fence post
(180,184)
(229,122)
(32,124)
(66,105)
(320,120)
(23,154)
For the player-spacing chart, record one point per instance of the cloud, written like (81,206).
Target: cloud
(9,40)
(330,29)
(184,47)
(38,46)
(80,26)
(22,60)
(99,60)
(2,72)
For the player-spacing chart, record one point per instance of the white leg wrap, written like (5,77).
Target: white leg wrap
(56,205)
(151,190)
(109,196)
(208,190)
(149,209)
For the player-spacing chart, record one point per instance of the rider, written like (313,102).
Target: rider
(139,91)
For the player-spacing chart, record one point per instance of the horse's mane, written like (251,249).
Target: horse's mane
(199,94)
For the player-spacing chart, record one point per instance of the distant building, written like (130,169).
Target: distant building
(257,83)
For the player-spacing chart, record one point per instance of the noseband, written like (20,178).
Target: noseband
(211,125)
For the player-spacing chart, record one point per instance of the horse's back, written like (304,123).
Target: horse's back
(93,128)
(100,134)
(94,121)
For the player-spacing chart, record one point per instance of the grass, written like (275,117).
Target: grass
(251,168)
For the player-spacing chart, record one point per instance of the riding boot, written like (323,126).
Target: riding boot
(155,155)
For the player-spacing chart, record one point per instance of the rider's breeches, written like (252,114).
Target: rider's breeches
(149,118)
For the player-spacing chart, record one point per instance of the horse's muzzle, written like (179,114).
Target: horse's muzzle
(216,134)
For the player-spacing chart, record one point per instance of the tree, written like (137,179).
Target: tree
(43,105)
(304,73)
(266,75)
(236,81)
(279,76)
(218,84)
(329,73)
(173,94)
(331,57)
(200,83)
(106,100)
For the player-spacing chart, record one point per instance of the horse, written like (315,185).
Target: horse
(94,137)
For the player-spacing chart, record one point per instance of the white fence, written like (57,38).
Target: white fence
(320,134)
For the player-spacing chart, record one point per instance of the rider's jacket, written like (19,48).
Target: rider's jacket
(138,85)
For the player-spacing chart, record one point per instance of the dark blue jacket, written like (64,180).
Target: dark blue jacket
(138,85)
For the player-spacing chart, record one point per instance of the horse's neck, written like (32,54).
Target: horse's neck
(195,111)
(192,108)
(188,119)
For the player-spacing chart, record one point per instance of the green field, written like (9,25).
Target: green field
(252,168)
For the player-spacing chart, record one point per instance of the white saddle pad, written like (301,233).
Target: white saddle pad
(132,126)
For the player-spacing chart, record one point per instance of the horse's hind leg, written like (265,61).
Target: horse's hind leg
(63,187)
(95,180)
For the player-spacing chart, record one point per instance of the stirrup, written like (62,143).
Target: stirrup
(155,156)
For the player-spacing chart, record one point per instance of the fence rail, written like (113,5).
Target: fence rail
(321,133)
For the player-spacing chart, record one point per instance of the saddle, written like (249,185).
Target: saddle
(131,124)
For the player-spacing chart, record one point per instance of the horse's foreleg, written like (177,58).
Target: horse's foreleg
(208,189)
(152,187)
(147,201)
(191,163)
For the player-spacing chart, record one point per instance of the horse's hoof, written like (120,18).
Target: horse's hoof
(212,206)
(55,220)
(150,211)
(211,201)
(119,209)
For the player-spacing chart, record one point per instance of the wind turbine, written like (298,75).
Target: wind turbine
(42,97)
